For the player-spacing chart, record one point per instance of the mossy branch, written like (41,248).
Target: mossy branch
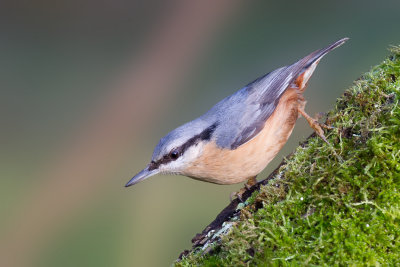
(318,209)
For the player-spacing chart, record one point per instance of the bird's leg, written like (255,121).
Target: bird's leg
(250,182)
(314,124)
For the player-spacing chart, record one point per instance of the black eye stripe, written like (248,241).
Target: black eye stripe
(204,135)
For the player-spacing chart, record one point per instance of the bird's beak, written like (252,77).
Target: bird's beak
(144,174)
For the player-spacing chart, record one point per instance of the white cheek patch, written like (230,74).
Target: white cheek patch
(180,164)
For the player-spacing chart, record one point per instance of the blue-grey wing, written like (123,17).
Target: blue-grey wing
(242,116)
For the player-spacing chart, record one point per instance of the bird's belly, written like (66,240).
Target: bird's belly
(225,166)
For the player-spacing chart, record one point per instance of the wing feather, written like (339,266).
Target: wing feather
(242,115)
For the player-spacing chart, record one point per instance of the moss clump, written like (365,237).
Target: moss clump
(329,205)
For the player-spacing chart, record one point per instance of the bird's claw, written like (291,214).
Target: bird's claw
(318,129)
(247,186)
(237,195)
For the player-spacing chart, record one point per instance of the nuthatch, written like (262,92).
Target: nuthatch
(236,139)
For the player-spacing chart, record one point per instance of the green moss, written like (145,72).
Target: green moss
(330,205)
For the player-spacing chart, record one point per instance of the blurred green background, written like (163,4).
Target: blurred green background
(89,87)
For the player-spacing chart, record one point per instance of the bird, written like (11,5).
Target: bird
(237,138)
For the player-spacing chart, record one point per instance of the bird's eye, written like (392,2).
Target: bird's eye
(174,154)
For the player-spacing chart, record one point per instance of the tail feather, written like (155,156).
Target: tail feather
(308,64)
(316,55)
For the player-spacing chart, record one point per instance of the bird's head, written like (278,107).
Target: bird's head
(177,150)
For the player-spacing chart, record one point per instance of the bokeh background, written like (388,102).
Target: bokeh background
(88,88)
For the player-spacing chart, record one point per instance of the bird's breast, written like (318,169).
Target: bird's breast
(226,166)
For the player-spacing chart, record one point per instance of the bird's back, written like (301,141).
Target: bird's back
(242,116)
(238,137)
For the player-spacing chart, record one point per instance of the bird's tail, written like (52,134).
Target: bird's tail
(305,67)
(317,55)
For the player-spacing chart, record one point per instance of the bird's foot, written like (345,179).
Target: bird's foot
(239,194)
(250,182)
(317,126)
